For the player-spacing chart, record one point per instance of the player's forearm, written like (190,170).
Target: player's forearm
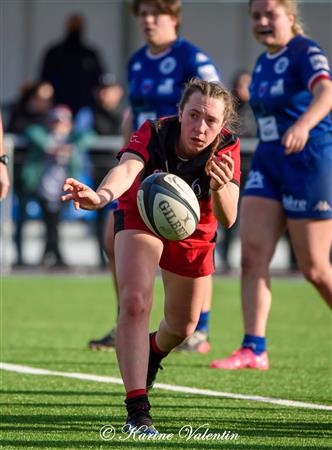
(225,204)
(119,180)
(320,106)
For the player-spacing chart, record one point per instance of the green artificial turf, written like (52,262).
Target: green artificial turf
(47,322)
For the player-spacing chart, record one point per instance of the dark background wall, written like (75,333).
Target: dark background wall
(222,28)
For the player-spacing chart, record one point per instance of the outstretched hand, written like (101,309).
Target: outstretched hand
(82,195)
(220,171)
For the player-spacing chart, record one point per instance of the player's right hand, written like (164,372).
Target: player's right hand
(82,195)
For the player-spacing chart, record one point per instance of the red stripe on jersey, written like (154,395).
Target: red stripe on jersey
(235,154)
(319,76)
(138,142)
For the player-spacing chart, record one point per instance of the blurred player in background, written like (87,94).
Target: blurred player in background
(290,179)
(156,76)
(197,146)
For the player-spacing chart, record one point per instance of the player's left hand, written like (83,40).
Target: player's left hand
(221,170)
(295,138)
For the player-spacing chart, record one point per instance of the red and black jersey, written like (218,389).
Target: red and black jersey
(155,142)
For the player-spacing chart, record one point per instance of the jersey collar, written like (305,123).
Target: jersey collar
(161,54)
(276,55)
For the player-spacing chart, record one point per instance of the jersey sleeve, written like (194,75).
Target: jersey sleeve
(200,65)
(138,143)
(312,64)
(234,148)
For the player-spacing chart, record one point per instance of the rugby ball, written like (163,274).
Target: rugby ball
(168,206)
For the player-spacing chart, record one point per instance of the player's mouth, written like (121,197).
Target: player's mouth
(264,32)
(148,31)
(197,141)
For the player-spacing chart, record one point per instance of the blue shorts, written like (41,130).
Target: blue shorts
(112,206)
(302,181)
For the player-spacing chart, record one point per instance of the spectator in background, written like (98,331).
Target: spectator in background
(289,184)
(55,152)
(105,118)
(72,67)
(247,128)
(241,93)
(4,178)
(157,73)
(32,108)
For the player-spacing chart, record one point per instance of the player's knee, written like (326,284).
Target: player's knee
(254,258)
(313,274)
(109,246)
(134,305)
(109,238)
(182,330)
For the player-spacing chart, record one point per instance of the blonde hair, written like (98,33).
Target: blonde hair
(292,9)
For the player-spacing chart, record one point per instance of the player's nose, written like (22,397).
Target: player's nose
(201,126)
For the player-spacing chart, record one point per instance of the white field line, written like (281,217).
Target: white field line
(167,387)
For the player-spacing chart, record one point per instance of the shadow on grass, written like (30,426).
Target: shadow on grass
(62,393)
(270,428)
(260,428)
(130,443)
(264,423)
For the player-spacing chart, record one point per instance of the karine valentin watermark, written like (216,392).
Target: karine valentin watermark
(187,433)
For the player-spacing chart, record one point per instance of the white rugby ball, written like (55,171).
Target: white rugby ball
(168,206)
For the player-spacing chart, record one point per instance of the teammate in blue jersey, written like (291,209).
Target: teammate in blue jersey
(157,73)
(290,180)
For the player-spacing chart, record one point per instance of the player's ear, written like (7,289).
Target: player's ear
(176,21)
(291,19)
(180,115)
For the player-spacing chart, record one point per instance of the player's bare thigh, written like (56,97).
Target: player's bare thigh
(137,257)
(262,222)
(311,240)
(109,235)
(184,298)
